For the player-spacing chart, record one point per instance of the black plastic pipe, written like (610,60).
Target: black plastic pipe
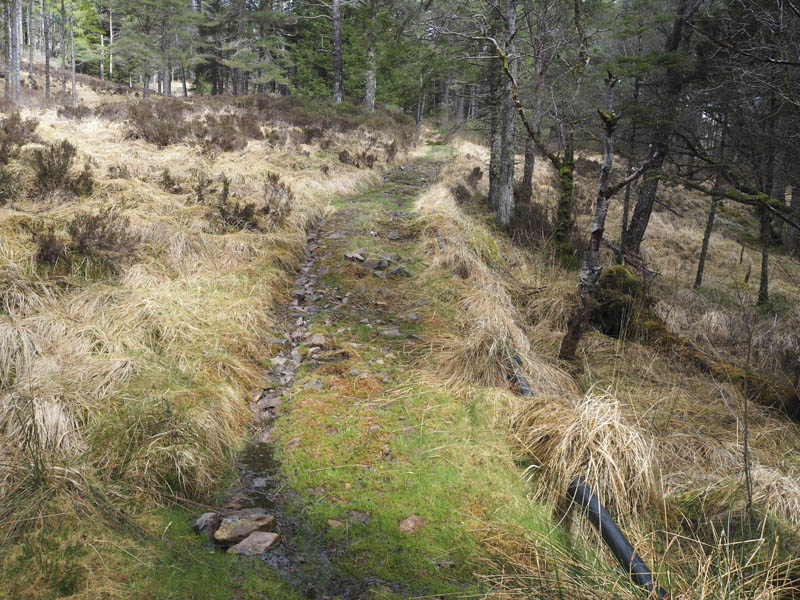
(616,541)
(612,535)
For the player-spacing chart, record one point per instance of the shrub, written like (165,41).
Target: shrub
(104,235)
(237,216)
(50,248)
(278,199)
(83,183)
(15,132)
(158,122)
(201,188)
(78,112)
(367,159)
(391,151)
(474,177)
(344,157)
(325,144)
(8,185)
(311,133)
(326,170)
(52,165)
(221,133)
(168,183)
(249,126)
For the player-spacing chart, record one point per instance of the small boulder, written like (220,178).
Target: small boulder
(335,523)
(372,263)
(207,523)
(317,339)
(392,332)
(234,529)
(398,271)
(257,542)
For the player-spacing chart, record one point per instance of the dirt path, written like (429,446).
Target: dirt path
(329,437)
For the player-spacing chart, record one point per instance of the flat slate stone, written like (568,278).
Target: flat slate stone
(235,529)
(257,542)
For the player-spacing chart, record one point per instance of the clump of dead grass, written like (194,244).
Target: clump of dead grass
(593,439)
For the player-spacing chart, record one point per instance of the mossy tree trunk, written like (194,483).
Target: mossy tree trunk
(566,178)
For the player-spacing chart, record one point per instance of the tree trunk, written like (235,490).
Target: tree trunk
(16,14)
(183,81)
(72,52)
(591,269)
(338,73)
(791,236)
(145,85)
(46,53)
(526,187)
(30,45)
(63,48)
(111,45)
(421,103)
(626,206)
(102,58)
(505,194)
(763,285)
(678,40)
(701,263)
(7,48)
(372,63)
(566,178)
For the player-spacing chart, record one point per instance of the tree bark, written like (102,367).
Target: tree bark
(505,194)
(16,10)
(111,45)
(421,103)
(791,236)
(338,72)
(30,45)
(763,285)
(183,81)
(526,187)
(46,28)
(72,51)
(63,48)
(626,205)
(372,63)
(7,48)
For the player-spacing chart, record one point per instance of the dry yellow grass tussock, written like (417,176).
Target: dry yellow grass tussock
(491,328)
(593,439)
